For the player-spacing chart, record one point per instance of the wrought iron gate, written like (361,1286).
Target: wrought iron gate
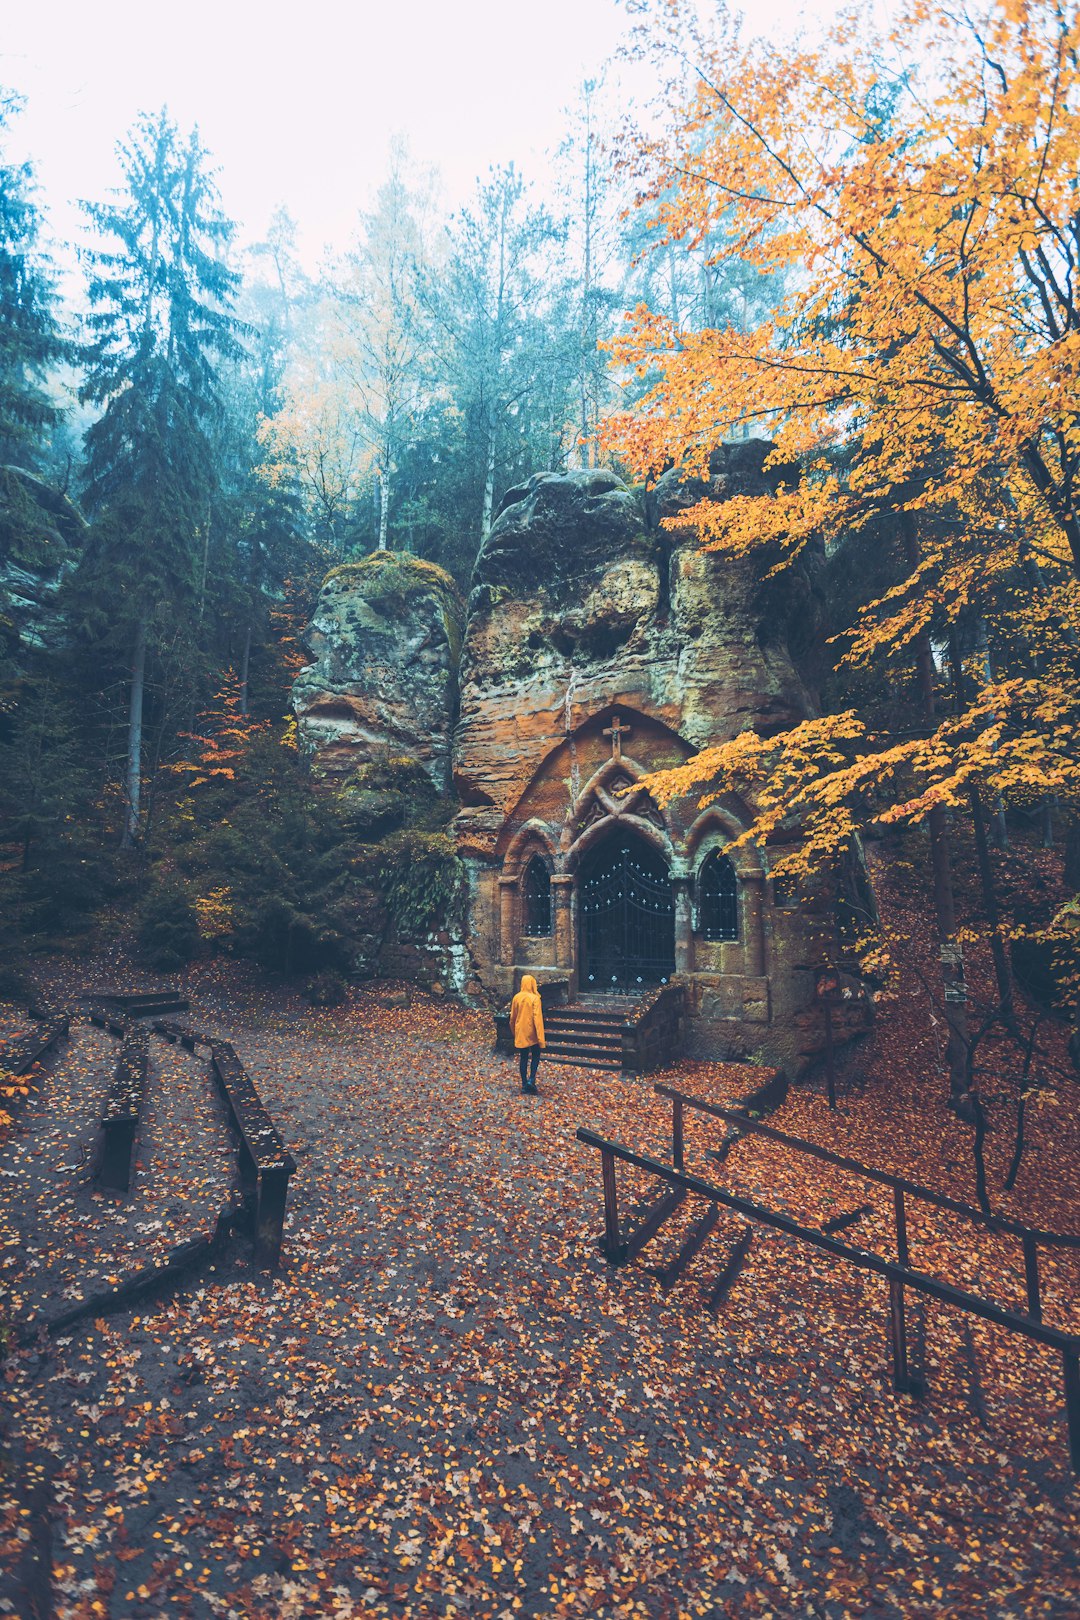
(627,918)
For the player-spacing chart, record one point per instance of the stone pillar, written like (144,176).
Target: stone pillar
(562,892)
(684,924)
(753,886)
(507,931)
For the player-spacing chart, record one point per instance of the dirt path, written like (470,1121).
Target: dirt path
(446,1404)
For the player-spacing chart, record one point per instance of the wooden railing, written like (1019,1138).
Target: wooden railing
(617,1248)
(1031,1237)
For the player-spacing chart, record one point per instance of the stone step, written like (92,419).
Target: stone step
(585,1026)
(585,1023)
(584,1049)
(584,1062)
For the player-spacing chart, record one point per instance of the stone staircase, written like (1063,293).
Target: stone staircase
(588,1033)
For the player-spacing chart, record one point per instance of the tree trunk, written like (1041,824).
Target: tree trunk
(245,665)
(134,744)
(1072,853)
(383,480)
(1002,972)
(999,832)
(489,478)
(951,953)
(1048,821)
(205,569)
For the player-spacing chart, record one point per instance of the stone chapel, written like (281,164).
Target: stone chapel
(597,647)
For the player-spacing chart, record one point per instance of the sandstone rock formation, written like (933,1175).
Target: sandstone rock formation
(386,636)
(578,603)
(599,647)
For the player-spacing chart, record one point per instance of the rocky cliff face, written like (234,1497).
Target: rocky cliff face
(579,604)
(41,533)
(386,637)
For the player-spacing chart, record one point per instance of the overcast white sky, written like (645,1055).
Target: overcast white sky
(297,102)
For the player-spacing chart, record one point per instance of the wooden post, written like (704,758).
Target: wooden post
(902,1253)
(1071,1363)
(677,1126)
(270,1215)
(613,1248)
(1031,1277)
(898,1336)
(114,1170)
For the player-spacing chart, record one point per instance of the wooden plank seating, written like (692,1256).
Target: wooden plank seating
(19,1055)
(99,1014)
(138,1003)
(123,1108)
(179,1034)
(264,1163)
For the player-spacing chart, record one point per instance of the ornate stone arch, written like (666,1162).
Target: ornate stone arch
(712,831)
(597,830)
(532,838)
(613,795)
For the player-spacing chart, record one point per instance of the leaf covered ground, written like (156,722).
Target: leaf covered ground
(445,1403)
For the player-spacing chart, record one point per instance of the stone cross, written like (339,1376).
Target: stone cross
(617,732)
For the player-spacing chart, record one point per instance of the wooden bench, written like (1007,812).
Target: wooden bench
(19,1055)
(264,1162)
(137,1003)
(103,1017)
(123,1108)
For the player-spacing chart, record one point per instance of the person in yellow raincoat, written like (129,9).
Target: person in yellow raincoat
(527,1028)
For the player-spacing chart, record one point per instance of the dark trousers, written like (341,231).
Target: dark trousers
(528,1069)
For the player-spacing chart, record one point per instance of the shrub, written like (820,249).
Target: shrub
(168,928)
(423,881)
(326,989)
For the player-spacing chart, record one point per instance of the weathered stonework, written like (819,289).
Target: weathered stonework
(599,647)
(584,609)
(386,636)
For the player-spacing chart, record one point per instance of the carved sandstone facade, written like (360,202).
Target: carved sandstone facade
(598,647)
(597,651)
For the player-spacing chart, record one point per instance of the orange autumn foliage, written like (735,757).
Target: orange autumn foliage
(918,189)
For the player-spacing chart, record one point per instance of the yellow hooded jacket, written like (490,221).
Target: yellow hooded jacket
(527,1015)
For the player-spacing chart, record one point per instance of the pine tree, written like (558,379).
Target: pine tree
(30,344)
(160,330)
(29,339)
(493,350)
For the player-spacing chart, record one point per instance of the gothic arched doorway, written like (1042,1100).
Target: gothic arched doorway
(626,915)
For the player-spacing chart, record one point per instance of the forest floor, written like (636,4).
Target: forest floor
(446,1404)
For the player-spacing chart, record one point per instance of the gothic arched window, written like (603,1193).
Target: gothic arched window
(718,898)
(536,891)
